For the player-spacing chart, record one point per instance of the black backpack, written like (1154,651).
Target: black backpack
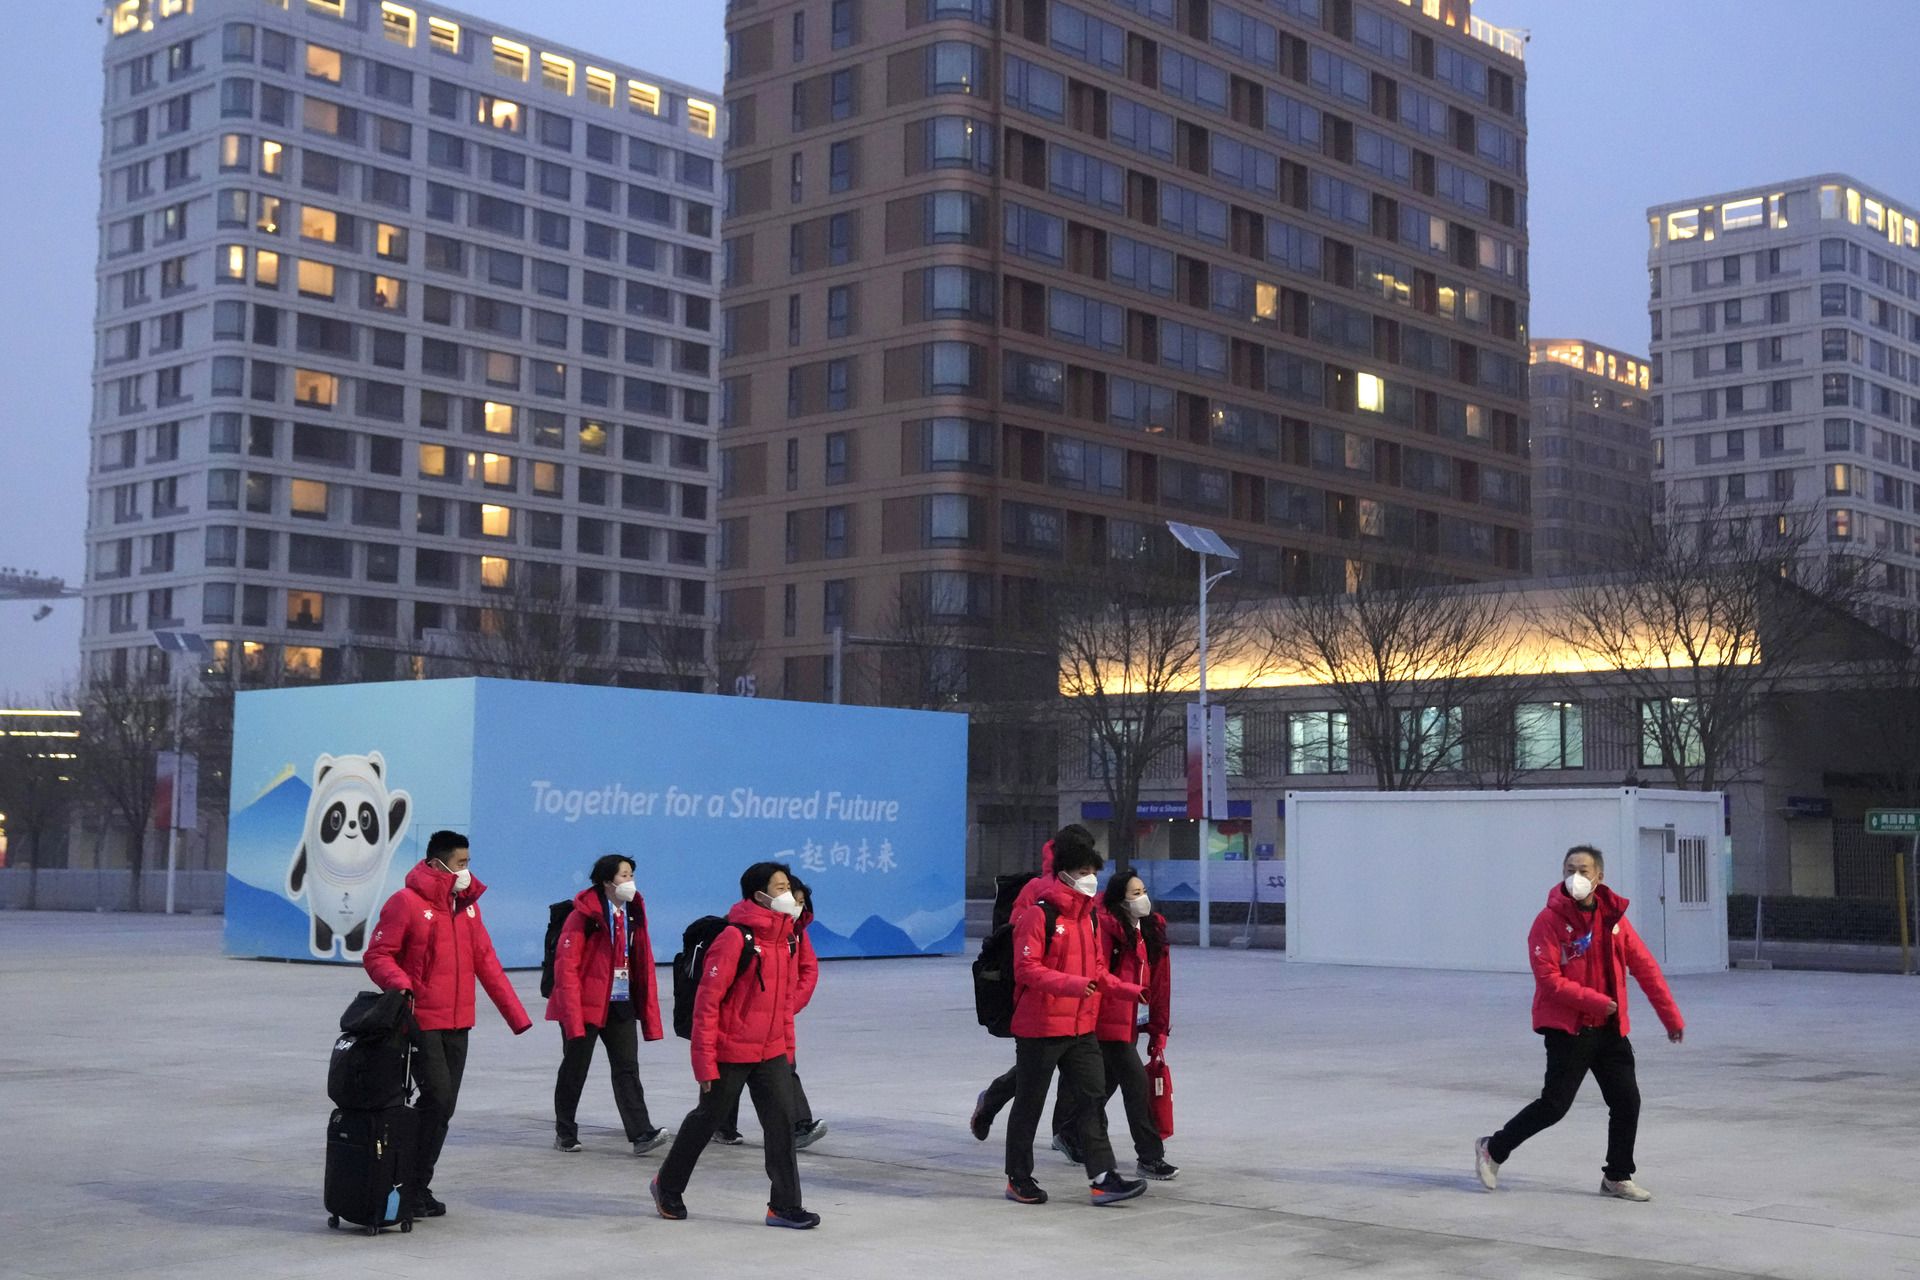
(1005,890)
(371,1064)
(993,968)
(557,914)
(690,966)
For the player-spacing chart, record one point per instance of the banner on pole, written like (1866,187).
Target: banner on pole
(176,776)
(1196,757)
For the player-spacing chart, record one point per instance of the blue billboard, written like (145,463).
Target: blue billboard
(336,789)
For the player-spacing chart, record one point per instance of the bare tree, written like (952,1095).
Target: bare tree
(37,767)
(1426,675)
(1716,608)
(533,631)
(1128,644)
(124,726)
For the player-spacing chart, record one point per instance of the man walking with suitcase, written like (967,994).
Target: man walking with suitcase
(430,941)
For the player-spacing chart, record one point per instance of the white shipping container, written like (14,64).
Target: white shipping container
(1453,879)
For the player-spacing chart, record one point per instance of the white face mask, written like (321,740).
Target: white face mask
(461,878)
(624,892)
(1142,906)
(1087,884)
(1579,888)
(786,904)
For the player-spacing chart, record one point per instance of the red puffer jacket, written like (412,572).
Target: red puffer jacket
(748,1019)
(431,941)
(1572,950)
(1050,975)
(583,967)
(806,973)
(1119,1014)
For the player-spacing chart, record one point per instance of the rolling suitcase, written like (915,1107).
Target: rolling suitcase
(367,1157)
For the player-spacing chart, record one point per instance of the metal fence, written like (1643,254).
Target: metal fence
(1868,919)
(67,889)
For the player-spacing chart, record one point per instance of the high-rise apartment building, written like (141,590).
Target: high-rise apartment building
(1592,451)
(1009,283)
(1786,362)
(404,321)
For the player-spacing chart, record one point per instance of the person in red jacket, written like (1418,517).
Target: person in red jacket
(806,1129)
(1582,947)
(1132,932)
(604,989)
(431,942)
(743,1039)
(1059,977)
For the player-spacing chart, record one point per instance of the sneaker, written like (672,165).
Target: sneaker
(673,1208)
(797,1219)
(1625,1189)
(651,1141)
(805,1135)
(568,1145)
(1065,1148)
(425,1206)
(1025,1191)
(982,1122)
(728,1138)
(1158,1170)
(1112,1189)
(1485,1165)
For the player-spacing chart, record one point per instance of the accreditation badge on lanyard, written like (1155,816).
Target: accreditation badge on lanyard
(622,983)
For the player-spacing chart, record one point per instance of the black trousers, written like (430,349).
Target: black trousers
(1127,1075)
(1082,1076)
(439,1062)
(771,1085)
(621,1036)
(801,1108)
(1609,1056)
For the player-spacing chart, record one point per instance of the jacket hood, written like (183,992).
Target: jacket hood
(436,886)
(1070,901)
(589,902)
(1608,905)
(765,922)
(1046,858)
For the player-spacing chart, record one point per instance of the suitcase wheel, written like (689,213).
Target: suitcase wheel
(406,1226)
(333,1222)
(369,1231)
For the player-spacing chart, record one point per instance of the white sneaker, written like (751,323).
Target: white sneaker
(1485,1165)
(1625,1189)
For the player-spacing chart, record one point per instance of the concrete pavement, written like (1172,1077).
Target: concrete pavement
(163,1114)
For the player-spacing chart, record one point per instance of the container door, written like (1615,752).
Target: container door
(1649,912)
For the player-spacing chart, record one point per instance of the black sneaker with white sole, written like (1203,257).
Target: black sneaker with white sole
(1112,1188)
(1158,1170)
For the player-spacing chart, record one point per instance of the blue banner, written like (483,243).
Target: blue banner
(336,789)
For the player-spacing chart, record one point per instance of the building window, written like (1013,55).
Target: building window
(1670,734)
(1316,742)
(1548,735)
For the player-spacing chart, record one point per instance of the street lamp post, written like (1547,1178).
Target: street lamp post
(1203,543)
(176,644)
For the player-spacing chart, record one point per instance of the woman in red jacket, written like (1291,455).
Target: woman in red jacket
(742,1039)
(806,1129)
(431,941)
(1582,947)
(1134,938)
(604,989)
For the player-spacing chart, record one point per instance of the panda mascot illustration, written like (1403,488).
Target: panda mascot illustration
(353,826)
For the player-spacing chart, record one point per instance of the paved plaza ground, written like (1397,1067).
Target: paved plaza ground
(162,1113)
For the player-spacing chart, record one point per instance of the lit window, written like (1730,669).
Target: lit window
(556,72)
(231,260)
(309,497)
(301,661)
(319,224)
(499,419)
(273,158)
(433,460)
(389,293)
(1371,393)
(503,370)
(315,389)
(510,58)
(266,268)
(126,16)
(643,98)
(397,23)
(323,63)
(1266,301)
(332,8)
(495,521)
(306,610)
(495,469)
(498,113)
(593,438)
(493,572)
(1737,215)
(1683,224)
(236,150)
(443,35)
(600,86)
(315,279)
(700,117)
(390,241)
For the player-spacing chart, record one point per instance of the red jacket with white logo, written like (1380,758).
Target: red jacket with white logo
(749,1019)
(583,967)
(432,942)
(1119,1013)
(1051,972)
(806,972)
(1573,951)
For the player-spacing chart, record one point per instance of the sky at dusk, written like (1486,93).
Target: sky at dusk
(1631,103)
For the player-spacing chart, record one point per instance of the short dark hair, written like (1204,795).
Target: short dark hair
(441,842)
(754,879)
(801,889)
(1599,859)
(1077,857)
(606,867)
